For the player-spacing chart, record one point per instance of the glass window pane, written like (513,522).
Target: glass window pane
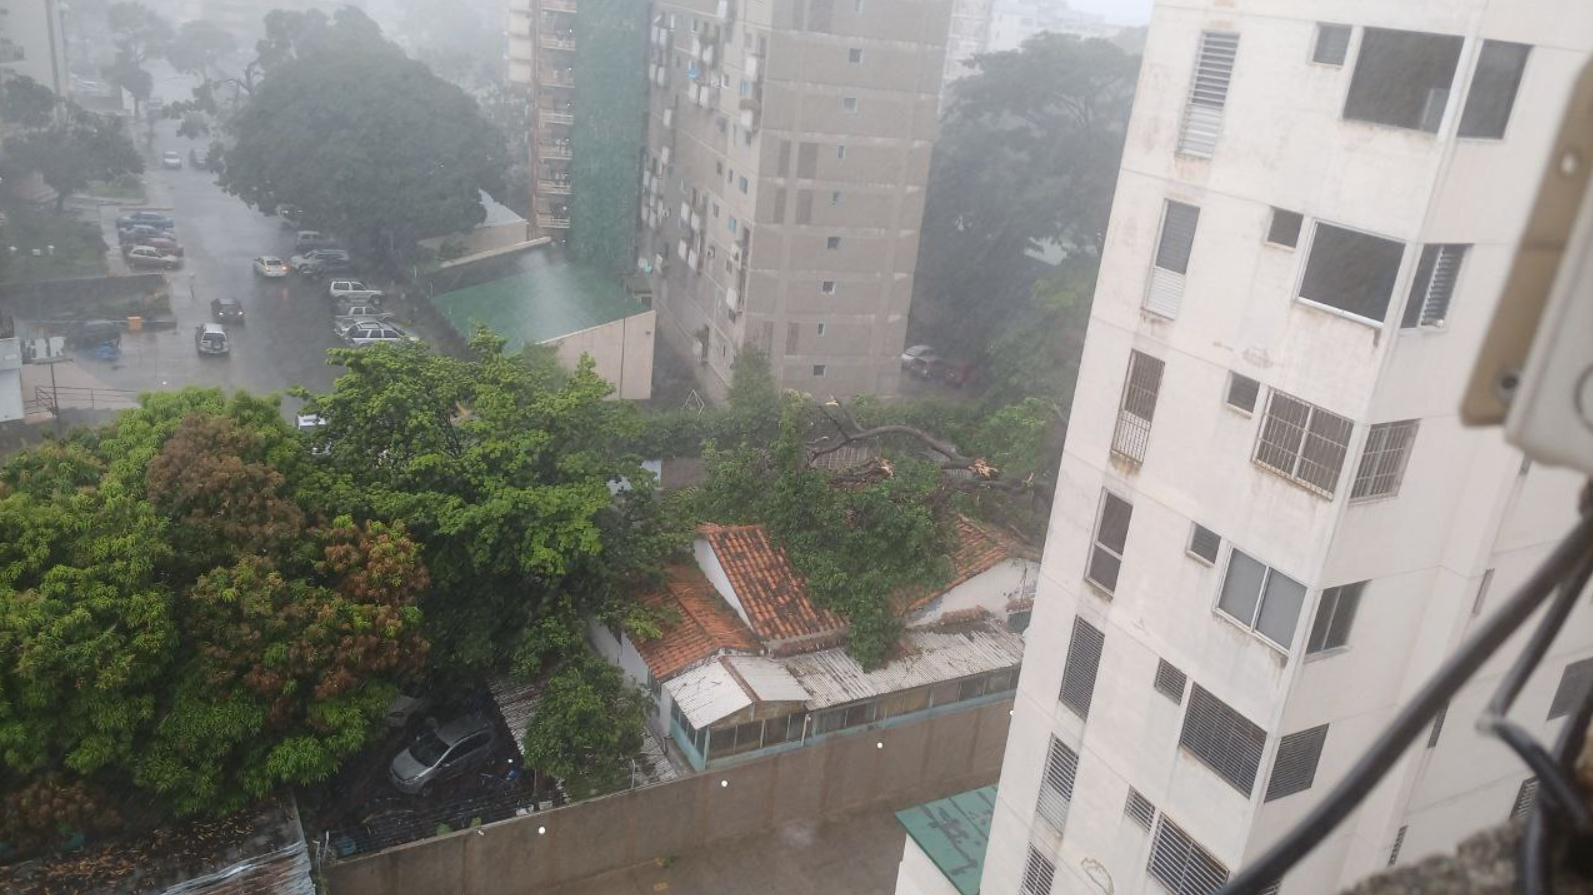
(944,694)
(1402,78)
(1351,271)
(1104,568)
(1338,634)
(1178,237)
(1493,89)
(1280,609)
(1115,515)
(1241,588)
(895,704)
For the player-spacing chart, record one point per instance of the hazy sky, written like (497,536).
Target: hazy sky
(1135,12)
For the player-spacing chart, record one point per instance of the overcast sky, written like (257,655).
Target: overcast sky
(1129,12)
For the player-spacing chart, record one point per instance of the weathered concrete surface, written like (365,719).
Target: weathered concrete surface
(1485,864)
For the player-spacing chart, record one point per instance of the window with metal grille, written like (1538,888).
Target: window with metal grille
(1402,78)
(1525,796)
(1303,443)
(1383,459)
(1294,767)
(1111,535)
(1081,666)
(1056,790)
(1433,287)
(1222,739)
(1351,272)
(1164,290)
(1203,543)
(1208,93)
(1261,598)
(1285,228)
(1399,843)
(1335,614)
(1574,686)
(1170,681)
(1332,44)
(1139,809)
(1438,725)
(1038,872)
(1181,865)
(1482,592)
(1493,89)
(1138,406)
(1242,392)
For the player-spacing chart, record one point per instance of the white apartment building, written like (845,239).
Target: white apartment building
(33,42)
(1270,526)
(1014,21)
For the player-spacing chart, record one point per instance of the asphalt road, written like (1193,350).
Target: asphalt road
(288,321)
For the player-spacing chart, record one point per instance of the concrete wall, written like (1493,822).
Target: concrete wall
(898,766)
(989,590)
(918,875)
(485,239)
(622,349)
(10,380)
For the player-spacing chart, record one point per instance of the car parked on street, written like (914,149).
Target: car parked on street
(211,339)
(313,239)
(170,159)
(442,751)
(93,333)
(226,309)
(149,218)
(291,216)
(374,332)
(319,257)
(350,290)
(167,246)
(149,256)
(270,266)
(921,360)
(140,232)
(352,312)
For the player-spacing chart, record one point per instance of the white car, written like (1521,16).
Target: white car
(270,266)
(351,290)
(366,310)
(149,256)
(318,257)
(375,333)
(170,159)
(341,325)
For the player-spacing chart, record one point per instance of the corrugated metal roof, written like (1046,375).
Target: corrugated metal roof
(937,654)
(707,693)
(517,702)
(768,679)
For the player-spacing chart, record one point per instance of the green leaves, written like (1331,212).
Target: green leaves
(587,727)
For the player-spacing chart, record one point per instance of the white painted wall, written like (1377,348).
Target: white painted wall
(918,875)
(623,350)
(1463,506)
(708,561)
(10,380)
(989,590)
(36,27)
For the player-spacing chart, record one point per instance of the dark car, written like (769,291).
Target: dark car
(443,751)
(315,270)
(93,333)
(140,232)
(150,218)
(226,309)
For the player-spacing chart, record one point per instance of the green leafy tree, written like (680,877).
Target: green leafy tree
(367,142)
(140,34)
(587,727)
(68,155)
(26,103)
(199,48)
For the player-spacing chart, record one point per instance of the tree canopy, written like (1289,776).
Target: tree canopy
(26,103)
(78,149)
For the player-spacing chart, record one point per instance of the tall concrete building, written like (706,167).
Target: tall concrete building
(33,42)
(1270,527)
(783,182)
(1014,21)
(968,36)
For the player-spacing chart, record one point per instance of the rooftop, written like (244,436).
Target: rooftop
(546,299)
(716,690)
(706,627)
(978,549)
(943,652)
(954,833)
(774,597)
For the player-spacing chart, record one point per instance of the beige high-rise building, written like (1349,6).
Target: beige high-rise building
(33,42)
(787,155)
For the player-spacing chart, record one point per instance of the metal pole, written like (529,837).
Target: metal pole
(55,402)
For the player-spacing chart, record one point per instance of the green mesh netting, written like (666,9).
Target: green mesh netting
(609,130)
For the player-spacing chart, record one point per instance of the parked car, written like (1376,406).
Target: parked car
(370,312)
(317,257)
(149,256)
(140,232)
(166,245)
(226,309)
(920,360)
(374,332)
(152,218)
(442,751)
(291,216)
(342,325)
(93,333)
(313,239)
(210,338)
(349,290)
(316,270)
(270,266)
(170,159)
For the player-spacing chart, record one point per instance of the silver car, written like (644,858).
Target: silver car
(443,751)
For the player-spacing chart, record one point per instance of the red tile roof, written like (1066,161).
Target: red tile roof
(775,598)
(978,550)
(705,627)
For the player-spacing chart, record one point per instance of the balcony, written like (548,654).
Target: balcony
(520,50)
(553,187)
(556,42)
(546,115)
(552,222)
(556,77)
(558,5)
(554,150)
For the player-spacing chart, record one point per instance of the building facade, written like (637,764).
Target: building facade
(33,42)
(1270,526)
(783,182)
(1014,21)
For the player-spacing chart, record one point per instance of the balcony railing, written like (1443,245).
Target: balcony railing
(553,187)
(558,5)
(553,42)
(552,222)
(553,116)
(553,77)
(553,150)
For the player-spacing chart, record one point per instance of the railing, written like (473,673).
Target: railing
(553,187)
(550,150)
(549,222)
(552,78)
(550,42)
(77,397)
(558,5)
(549,116)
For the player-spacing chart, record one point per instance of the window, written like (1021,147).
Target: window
(1056,790)
(1139,809)
(1165,288)
(715,208)
(1402,79)
(719,167)
(1080,667)
(835,198)
(1208,94)
(1482,592)
(1261,598)
(1493,89)
(1170,681)
(840,151)
(1433,287)
(832,243)
(1353,272)
(818,371)
(1181,865)
(1335,614)
(730,224)
(744,88)
(827,287)
(1438,725)
(742,184)
(1138,406)
(854,56)
(730,175)
(818,329)
(1525,797)
(1222,739)
(1575,683)
(1111,534)
(1383,460)
(1294,767)
(849,105)
(1399,842)
(1038,870)
(1242,393)
(1285,228)
(1203,543)
(1332,44)
(1303,443)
